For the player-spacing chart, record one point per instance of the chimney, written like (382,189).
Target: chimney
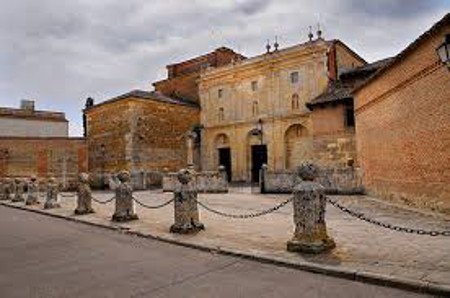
(27,105)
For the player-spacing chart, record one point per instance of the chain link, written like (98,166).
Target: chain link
(103,202)
(153,207)
(245,216)
(361,216)
(71,195)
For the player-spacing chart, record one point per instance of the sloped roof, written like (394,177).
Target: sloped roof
(147,95)
(341,90)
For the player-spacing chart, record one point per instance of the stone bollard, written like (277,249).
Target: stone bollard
(51,200)
(4,189)
(84,195)
(310,234)
(125,210)
(32,192)
(185,205)
(18,190)
(7,189)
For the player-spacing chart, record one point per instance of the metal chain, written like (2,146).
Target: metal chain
(153,207)
(68,195)
(245,216)
(103,202)
(361,216)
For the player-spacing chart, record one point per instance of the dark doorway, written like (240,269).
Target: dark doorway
(259,157)
(225,160)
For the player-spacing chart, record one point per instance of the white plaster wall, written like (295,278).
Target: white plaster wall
(32,128)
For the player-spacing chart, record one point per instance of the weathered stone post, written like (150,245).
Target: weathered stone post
(7,189)
(4,189)
(84,195)
(18,190)
(262,177)
(190,139)
(32,192)
(310,234)
(185,204)
(125,210)
(51,200)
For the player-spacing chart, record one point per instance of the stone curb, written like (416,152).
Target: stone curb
(340,272)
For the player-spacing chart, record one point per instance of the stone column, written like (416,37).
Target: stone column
(33,191)
(18,190)
(84,195)
(190,139)
(51,200)
(310,234)
(185,204)
(125,210)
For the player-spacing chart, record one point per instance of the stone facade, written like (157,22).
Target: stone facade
(253,111)
(28,122)
(403,126)
(204,182)
(182,78)
(139,131)
(347,180)
(63,158)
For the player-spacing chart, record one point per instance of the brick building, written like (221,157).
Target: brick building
(37,143)
(253,110)
(139,130)
(403,125)
(181,82)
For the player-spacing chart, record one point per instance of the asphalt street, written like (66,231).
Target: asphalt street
(47,257)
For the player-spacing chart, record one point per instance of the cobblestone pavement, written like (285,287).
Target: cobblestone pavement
(360,245)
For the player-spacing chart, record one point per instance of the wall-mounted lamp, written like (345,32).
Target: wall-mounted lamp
(443,51)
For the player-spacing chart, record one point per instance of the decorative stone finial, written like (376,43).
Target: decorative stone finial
(276,45)
(319,32)
(310,34)
(124,208)
(268,47)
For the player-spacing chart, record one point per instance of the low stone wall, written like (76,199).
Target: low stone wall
(335,180)
(206,182)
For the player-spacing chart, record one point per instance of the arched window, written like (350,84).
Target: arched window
(295,102)
(255,108)
(221,115)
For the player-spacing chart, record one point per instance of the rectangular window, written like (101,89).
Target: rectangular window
(254,85)
(220,93)
(349,117)
(294,77)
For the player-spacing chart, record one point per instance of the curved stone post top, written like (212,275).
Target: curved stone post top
(83,178)
(124,176)
(307,171)
(185,176)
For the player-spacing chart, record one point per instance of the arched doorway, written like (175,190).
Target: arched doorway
(222,145)
(297,146)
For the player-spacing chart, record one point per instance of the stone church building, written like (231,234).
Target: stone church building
(146,131)
(280,108)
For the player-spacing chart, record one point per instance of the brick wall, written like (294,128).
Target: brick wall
(183,76)
(403,129)
(62,158)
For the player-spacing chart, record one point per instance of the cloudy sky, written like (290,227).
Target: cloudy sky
(59,52)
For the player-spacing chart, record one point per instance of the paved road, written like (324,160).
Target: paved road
(46,257)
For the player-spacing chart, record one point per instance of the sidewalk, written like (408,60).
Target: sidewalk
(364,251)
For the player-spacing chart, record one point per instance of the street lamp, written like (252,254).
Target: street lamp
(443,51)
